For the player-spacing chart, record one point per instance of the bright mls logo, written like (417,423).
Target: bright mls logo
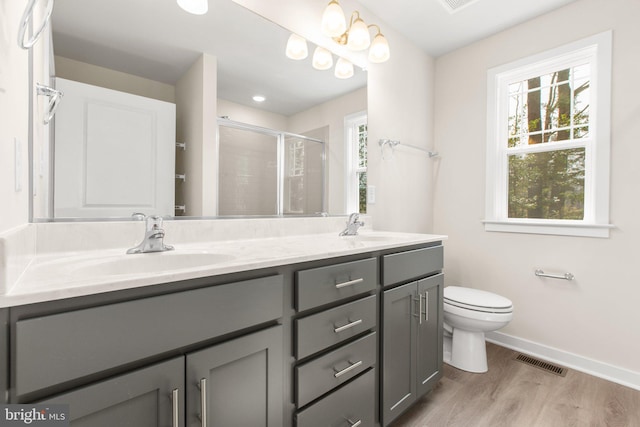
(34,415)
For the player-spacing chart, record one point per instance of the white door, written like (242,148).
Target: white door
(114,153)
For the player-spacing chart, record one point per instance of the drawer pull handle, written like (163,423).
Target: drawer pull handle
(354,424)
(351,367)
(175,405)
(349,283)
(203,401)
(347,326)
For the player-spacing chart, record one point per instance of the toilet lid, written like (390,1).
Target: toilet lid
(475,299)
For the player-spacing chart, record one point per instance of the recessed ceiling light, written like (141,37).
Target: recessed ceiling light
(259,98)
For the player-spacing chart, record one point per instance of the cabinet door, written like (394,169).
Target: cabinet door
(398,350)
(237,383)
(429,344)
(148,397)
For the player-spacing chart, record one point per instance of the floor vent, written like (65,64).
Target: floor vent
(540,364)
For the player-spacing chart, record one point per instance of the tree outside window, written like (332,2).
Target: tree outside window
(356,162)
(546,110)
(548,141)
(361,171)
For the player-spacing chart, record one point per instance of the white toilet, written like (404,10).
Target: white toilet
(468,314)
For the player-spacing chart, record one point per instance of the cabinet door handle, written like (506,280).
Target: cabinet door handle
(426,305)
(351,367)
(203,401)
(419,311)
(354,423)
(347,326)
(349,283)
(175,405)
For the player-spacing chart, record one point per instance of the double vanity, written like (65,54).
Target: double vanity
(286,327)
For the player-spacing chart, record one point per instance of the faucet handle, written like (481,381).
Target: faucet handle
(154,222)
(137,216)
(353,218)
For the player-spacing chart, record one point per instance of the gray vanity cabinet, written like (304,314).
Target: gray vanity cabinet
(141,362)
(237,383)
(429,346)
(398,385)
(412,343)
(349,341)
(336,347)
(148,397)
(411,329)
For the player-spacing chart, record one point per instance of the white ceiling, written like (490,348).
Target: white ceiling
(157,40)
(433,26)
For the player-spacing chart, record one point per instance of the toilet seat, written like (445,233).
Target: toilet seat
(476,300)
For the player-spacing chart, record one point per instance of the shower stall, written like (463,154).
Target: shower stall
(264,171)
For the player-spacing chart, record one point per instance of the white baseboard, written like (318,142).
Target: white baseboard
(608,372)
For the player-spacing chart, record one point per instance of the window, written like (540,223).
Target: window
(356,137)
(548,142)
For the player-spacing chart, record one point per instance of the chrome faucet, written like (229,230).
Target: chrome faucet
(153,236)
(352,225)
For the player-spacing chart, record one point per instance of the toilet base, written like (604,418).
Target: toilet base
(466,350)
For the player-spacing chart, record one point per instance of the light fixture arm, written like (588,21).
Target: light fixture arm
(357,16)
(378,31)
(344,37)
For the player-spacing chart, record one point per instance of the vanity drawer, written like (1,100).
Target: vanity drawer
(61,347)
(329,327)
(353,404)
(318,286)
(317,377)
(405,266)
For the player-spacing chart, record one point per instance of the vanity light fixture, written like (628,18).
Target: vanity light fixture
(334,23)
(379,51)
(356,35)
(344,69)
(296,47)
(322,59)
(197,7)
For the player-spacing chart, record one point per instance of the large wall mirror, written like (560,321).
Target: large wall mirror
(147,54)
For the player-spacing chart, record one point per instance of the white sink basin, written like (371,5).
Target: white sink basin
(148,263)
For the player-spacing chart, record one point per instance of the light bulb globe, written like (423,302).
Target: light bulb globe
(334,23)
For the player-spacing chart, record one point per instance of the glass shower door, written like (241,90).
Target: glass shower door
(303,176)
(248,172)
(268,172)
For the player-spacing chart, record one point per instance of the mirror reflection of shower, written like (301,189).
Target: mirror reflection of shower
(268,172)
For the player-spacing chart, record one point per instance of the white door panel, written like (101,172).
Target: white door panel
(114,153)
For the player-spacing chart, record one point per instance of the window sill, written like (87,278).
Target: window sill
(558,228)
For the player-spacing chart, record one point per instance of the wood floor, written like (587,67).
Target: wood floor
(515,394)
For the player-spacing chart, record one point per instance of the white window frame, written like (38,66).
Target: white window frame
(597,49)
(352,187)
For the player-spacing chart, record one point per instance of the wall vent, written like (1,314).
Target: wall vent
(455,5)
(540,364)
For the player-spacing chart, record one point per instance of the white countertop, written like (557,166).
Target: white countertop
(59,275)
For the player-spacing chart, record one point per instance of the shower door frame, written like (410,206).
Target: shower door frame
(280,157)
